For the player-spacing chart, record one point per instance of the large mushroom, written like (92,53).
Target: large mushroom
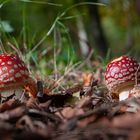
(121,75)
(13,75)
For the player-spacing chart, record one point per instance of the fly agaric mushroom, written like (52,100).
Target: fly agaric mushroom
(121,76)
(13,75)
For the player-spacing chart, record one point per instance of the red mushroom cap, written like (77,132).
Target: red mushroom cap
(121,72)
(13,71)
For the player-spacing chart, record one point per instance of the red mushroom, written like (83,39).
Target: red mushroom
(13,75)
(121,75)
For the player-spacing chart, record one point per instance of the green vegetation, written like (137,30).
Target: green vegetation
(50,36)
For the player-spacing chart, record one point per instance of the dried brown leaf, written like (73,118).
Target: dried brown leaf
(86,121)
(84,101)
(87,79)
(127,120)
(25,122)
(12,103)
(31,88)
(32,103)
(45,105)
(69,112)
(13,114)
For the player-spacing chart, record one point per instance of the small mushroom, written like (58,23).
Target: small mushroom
(13,75)
(121,75)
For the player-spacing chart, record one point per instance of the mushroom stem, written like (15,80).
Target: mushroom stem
(132,105)
(124,94)
(18,92)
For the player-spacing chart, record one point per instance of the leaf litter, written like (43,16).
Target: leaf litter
(84,110)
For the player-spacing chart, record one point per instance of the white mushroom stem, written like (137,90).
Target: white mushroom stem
(124,95)
(132,105)
(17,91)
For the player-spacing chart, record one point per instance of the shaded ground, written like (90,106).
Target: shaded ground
(79,112)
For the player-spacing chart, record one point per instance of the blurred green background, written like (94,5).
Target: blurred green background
(53,35)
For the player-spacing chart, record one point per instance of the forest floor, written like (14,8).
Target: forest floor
(82,111)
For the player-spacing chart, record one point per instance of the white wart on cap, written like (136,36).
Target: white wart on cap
(121,75)
(13,75)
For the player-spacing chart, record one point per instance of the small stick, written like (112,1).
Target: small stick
(40,89)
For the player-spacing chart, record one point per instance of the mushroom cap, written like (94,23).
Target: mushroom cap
(13,71)
(121,73)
